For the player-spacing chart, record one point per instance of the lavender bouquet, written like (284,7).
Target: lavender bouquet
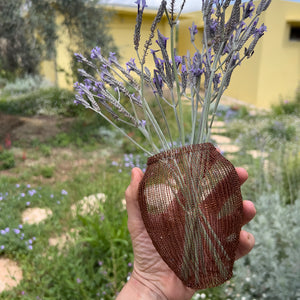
(190,195)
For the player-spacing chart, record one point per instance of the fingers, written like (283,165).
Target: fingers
(243,175)
(246,244)
(249,211)
(247,240)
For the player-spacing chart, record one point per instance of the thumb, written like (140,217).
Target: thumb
(131,196)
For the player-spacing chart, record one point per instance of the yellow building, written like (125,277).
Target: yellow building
(272,73)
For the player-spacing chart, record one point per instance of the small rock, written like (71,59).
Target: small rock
(35,215)
(220,139)
(88,204)
(10,274)
(257,154)
(229,148)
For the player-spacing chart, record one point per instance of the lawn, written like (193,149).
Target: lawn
(71,165)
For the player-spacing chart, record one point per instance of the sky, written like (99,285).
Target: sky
(191,5)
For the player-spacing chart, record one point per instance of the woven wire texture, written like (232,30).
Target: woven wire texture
(191,205)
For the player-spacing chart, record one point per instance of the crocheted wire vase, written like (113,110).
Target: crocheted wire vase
(191,205)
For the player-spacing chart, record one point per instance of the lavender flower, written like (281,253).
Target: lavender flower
(229,37)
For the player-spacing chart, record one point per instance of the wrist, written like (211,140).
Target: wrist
(135,289)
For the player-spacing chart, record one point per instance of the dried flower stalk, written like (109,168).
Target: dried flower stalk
(227,40)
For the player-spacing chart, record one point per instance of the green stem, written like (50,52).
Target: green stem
(181,128)
(123,132)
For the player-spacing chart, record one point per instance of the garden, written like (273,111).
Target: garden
(63,173)
(65,166)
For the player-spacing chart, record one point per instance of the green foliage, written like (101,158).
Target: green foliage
(99,262)
(17,238)
(7,160)
(271,271)
(46,171)
(287,107)
(289,181)
(21,51)
(49,101)
(98,258)
(45,150)
(23,85)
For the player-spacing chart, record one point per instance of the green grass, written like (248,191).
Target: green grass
(100,259)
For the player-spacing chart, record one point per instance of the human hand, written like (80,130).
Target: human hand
(151,277)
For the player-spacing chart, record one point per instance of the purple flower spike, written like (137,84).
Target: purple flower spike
(261,30)
(141,3)
(193,31)
(248,11)
(95,52)
(143,123)
(112,57)
(161,39)
(79,57)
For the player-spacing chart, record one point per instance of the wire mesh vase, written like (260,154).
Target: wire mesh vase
(191,205)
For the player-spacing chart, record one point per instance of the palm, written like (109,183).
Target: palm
(149,265)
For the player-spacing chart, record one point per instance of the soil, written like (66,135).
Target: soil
(29,131)
(30,128)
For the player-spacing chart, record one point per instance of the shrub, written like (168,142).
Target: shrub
(24,85)
(272,269)
(7,160)
(286,107)
(47,101)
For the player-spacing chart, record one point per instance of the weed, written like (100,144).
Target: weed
(7,160)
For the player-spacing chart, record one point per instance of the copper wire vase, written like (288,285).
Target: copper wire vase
(191,205)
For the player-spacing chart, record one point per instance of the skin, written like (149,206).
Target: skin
(151,277)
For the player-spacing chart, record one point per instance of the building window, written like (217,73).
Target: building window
(295,33)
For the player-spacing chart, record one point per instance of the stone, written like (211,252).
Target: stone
(35,215)
(11,274)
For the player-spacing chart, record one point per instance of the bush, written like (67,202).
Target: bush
(272,269)
(47,101)
(7,160)
(287,107)
(25,85)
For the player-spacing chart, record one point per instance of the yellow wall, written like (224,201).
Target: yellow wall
(272,72)
(280,66)
(122,29)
